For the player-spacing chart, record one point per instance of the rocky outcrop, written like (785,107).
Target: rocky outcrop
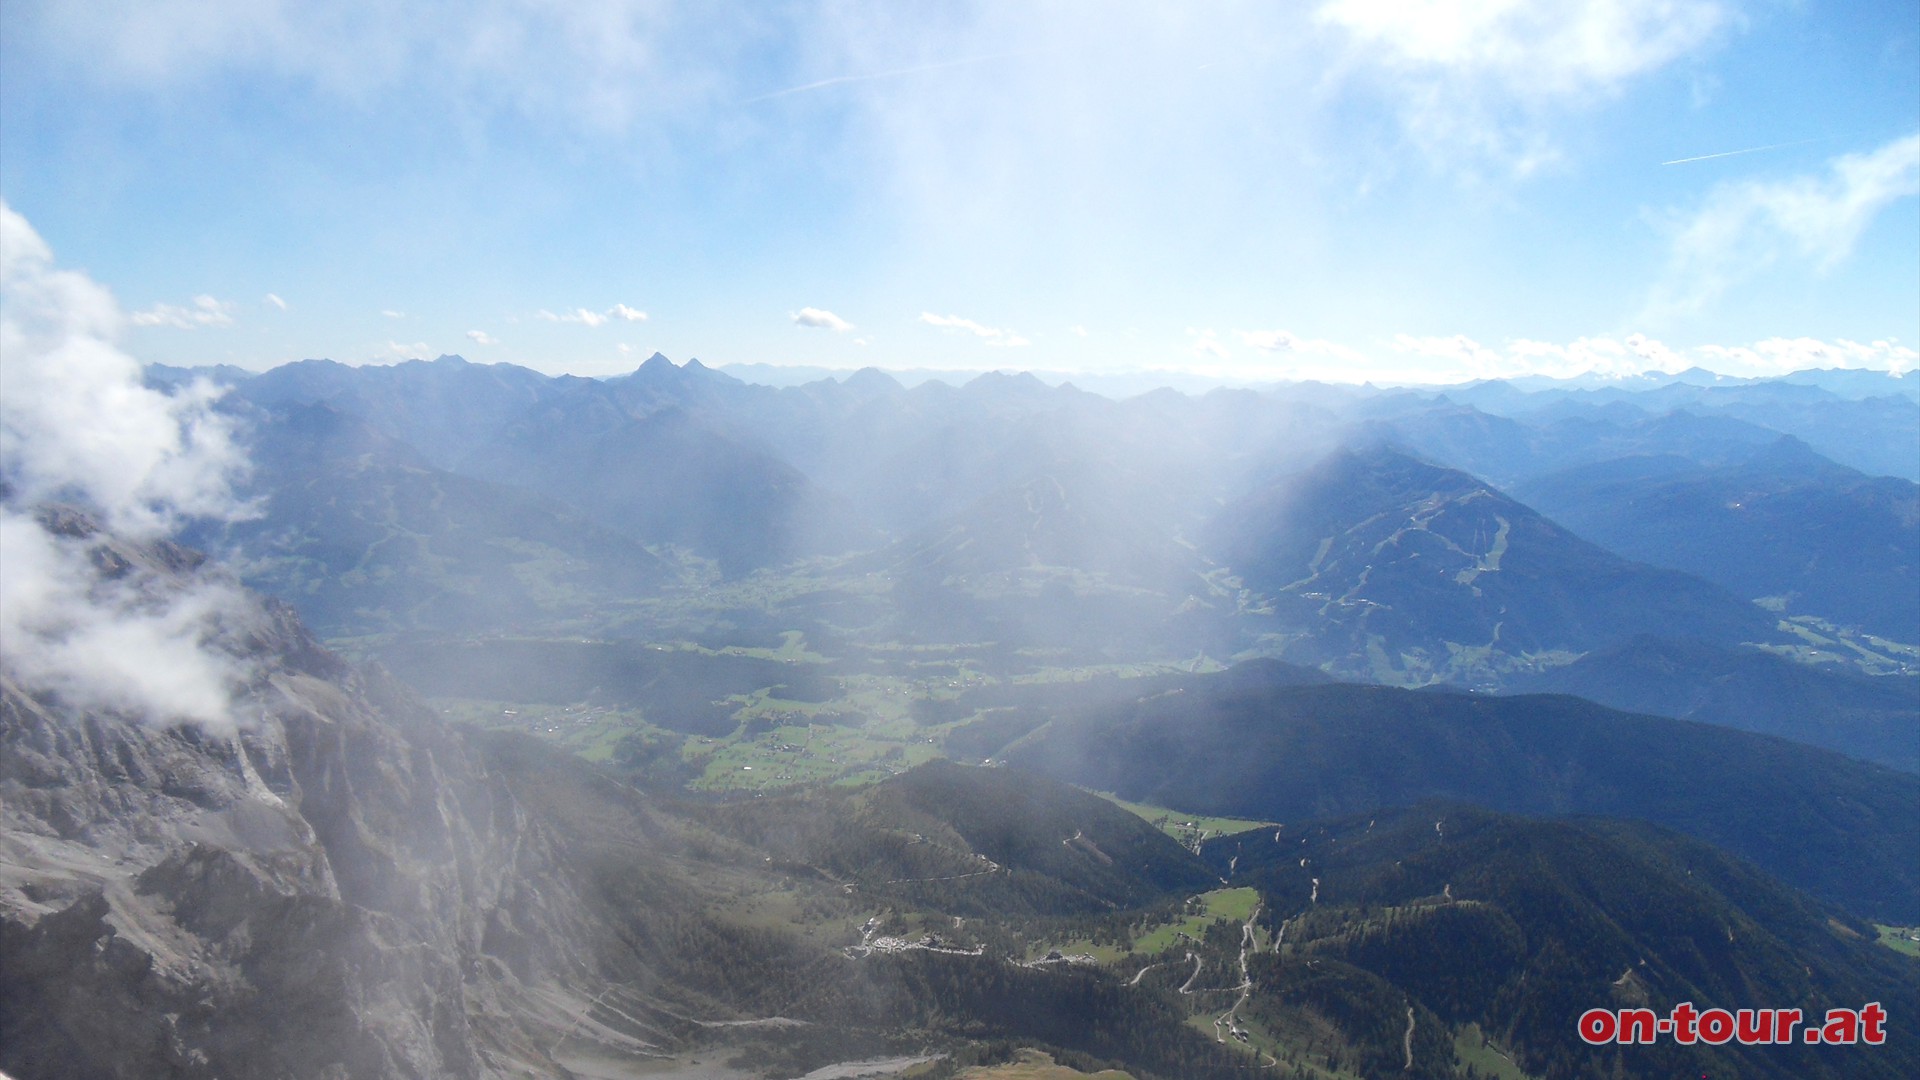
(340,888)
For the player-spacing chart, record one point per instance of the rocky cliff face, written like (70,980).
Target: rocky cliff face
(340,888)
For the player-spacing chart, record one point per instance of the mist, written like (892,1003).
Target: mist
(82,612)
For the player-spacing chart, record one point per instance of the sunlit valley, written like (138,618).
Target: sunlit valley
(1328,544)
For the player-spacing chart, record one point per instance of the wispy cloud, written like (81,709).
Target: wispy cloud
(1778,356)
(842,80)
(601,65)
(481,337)
(1475,78)
(206,311)
(1460,358)
(992,335)
(1634,354)
(1458,349)
(392,314)
(626,314)
(821,319)
(1744,227)
(273,300)
(1285,342)
(1562,47)
(1752,150)
(1206,343)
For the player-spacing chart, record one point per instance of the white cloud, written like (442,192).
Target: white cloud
(1290,356)
(1282,341)
(481,337)
(392,314)
(1742,228)
(1633,355)
(1077,331)
(273,299)
(594,64)
(992,335)
(1477,77)
(820,318)
(133,642)
(78,425)
(206,311)
(585,317)
(1462,359)
(76,421)
(1558,47)
(416,351)
(1459,349)
(862,342)
(1778,356)
(1207,343)
(955,322)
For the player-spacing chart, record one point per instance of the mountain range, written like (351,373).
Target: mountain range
(673,725)
(347,886)
(1486,536)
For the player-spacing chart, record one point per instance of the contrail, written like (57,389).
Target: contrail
(1753,150)
(841,79)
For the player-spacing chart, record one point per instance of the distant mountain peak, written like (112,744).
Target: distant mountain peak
(871,378)
(1022,381)
(659,370)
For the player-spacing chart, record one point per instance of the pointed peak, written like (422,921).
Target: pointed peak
(654,368)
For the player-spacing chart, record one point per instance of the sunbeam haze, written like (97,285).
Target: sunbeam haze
(997,540)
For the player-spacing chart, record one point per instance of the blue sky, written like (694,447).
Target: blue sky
(1347,189)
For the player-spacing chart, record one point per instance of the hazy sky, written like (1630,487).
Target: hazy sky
(1343,189)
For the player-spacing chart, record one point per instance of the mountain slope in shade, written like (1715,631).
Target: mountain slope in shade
(1505,450)
(1785,522)
(1391,568)
(984,843)
(1880,436)
(1872,426)
(444,408)
(1519,926)
(364,536)
(1874,718)
(667,478)
(1842,829)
